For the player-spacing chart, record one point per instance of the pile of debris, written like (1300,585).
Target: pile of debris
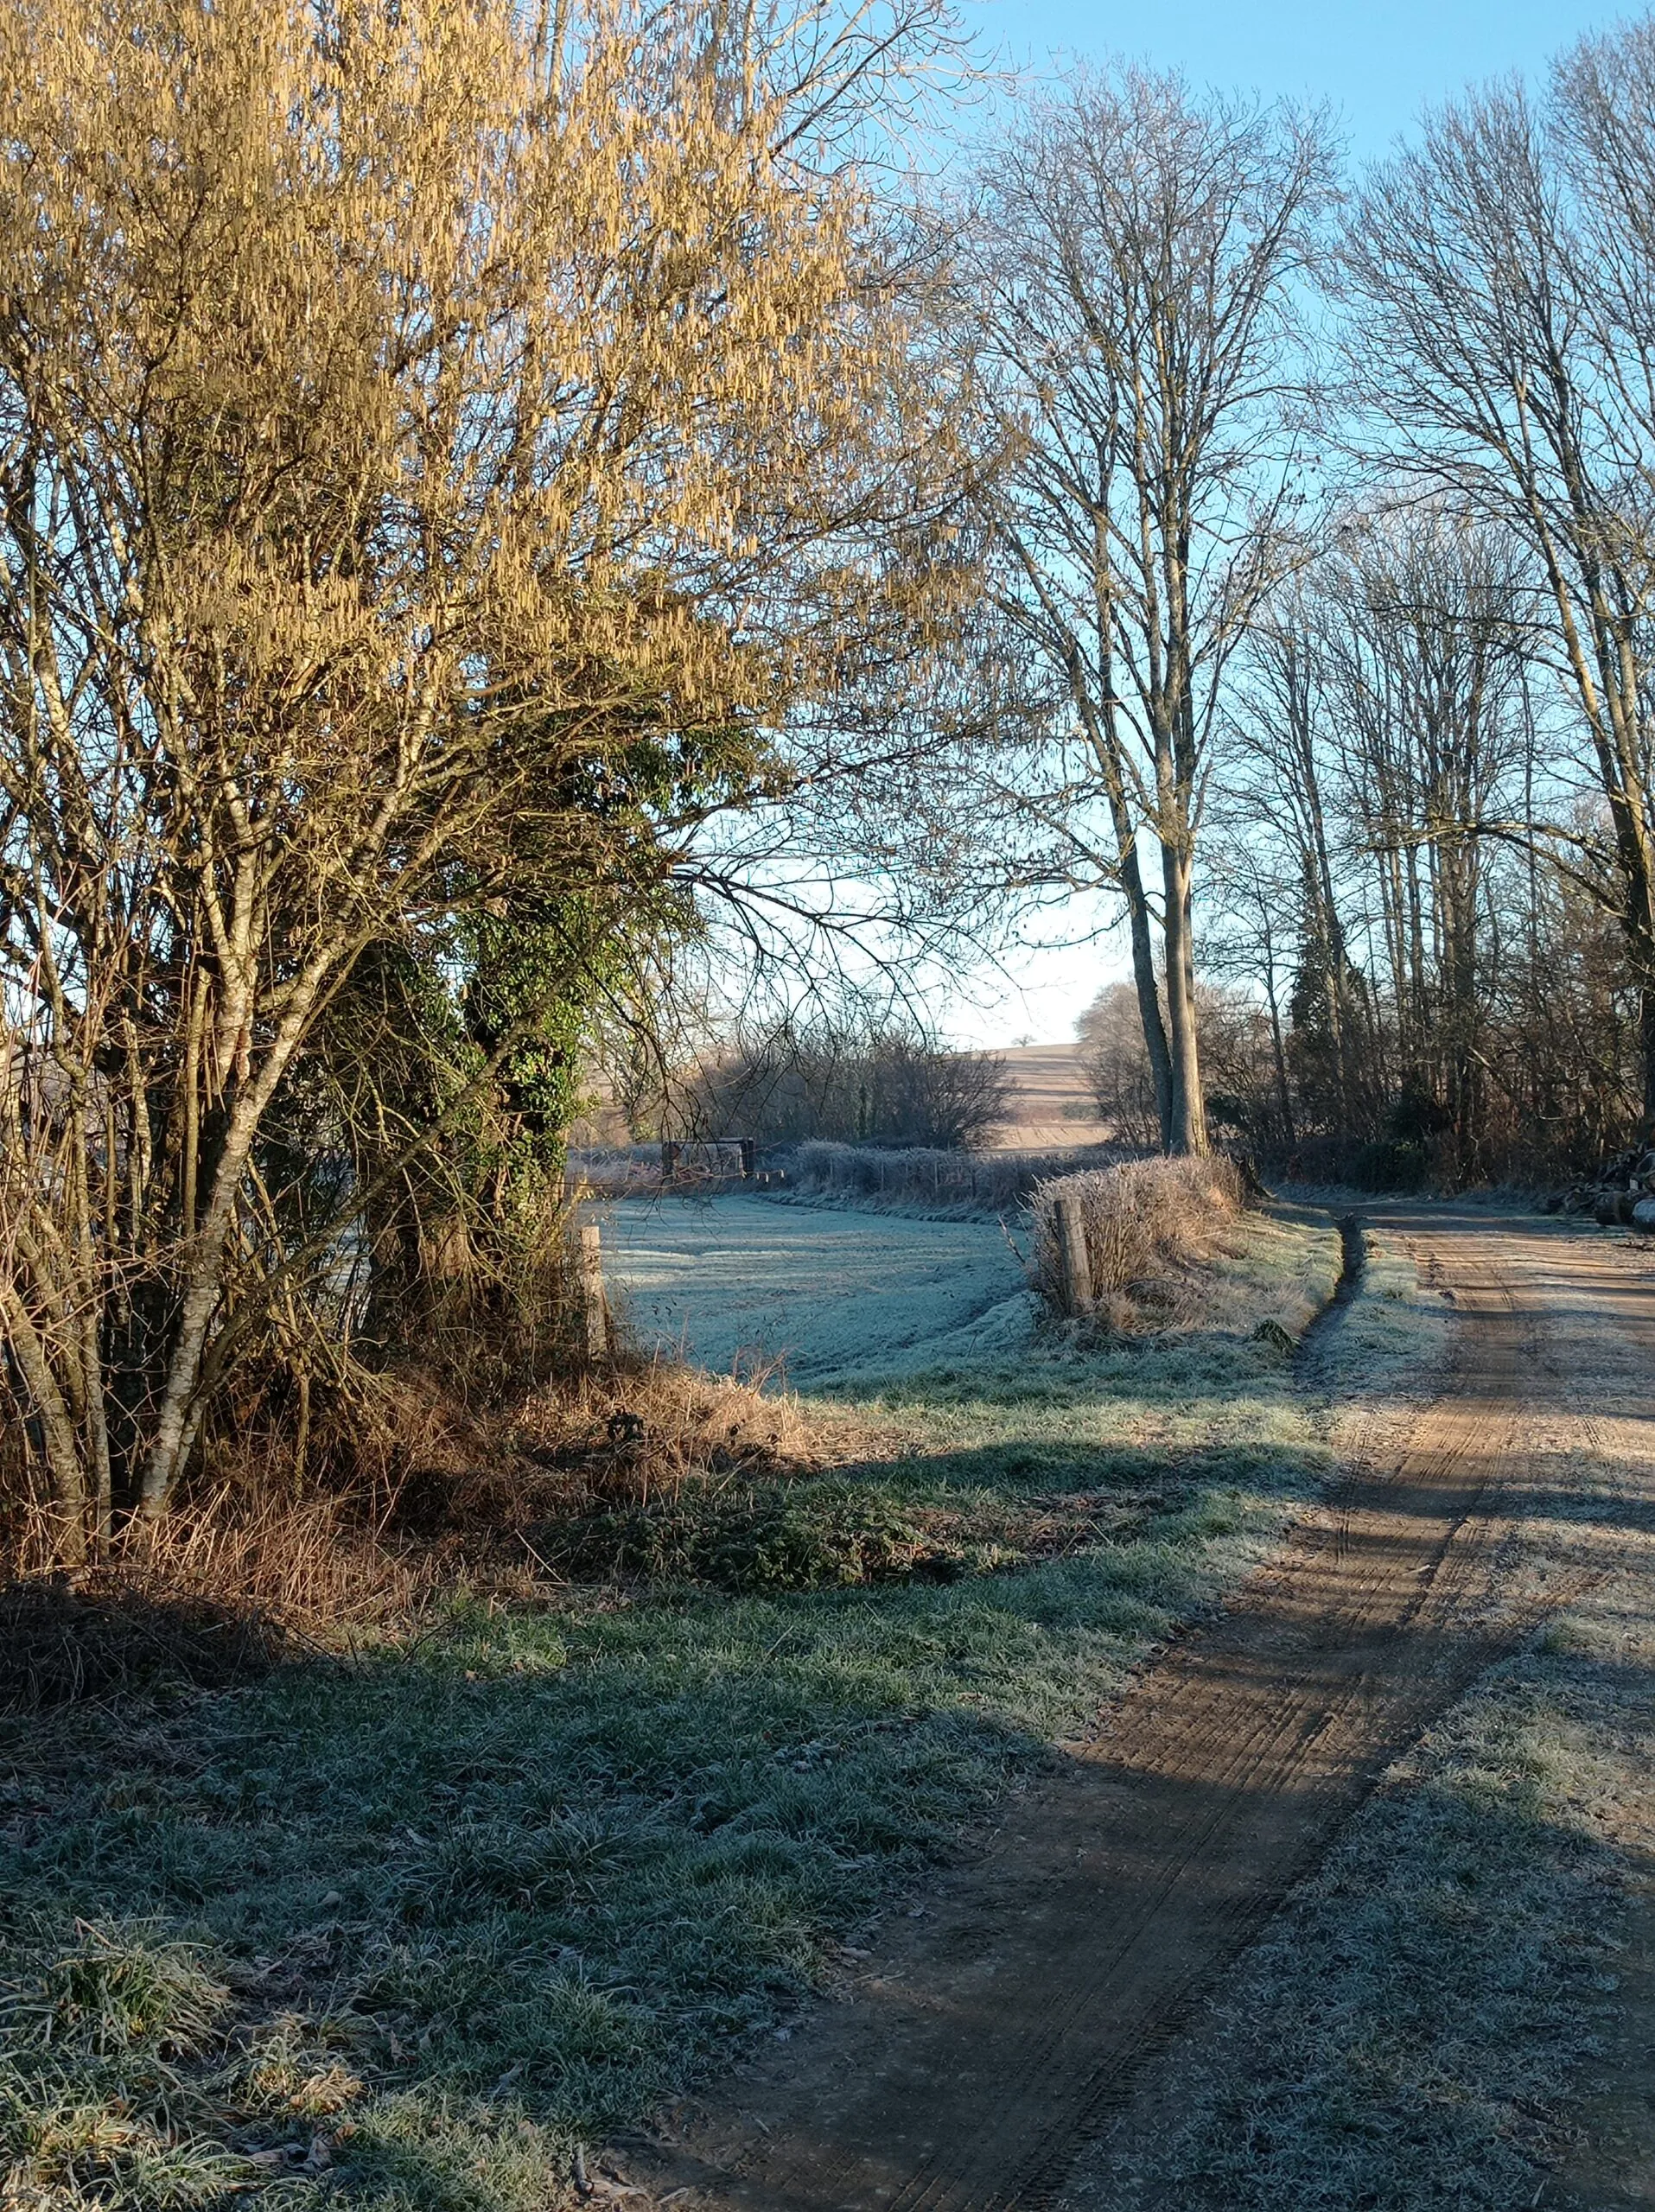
(1623,1192)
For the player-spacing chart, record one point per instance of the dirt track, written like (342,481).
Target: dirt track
(1014,2018)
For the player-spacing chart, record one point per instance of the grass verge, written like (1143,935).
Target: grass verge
(401,1929)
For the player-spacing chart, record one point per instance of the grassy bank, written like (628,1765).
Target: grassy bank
(402,1929)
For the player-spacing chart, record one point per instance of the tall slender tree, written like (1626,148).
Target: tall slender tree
(1130,268)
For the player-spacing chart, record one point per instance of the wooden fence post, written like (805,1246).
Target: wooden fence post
(1072,1257)
(597,1332)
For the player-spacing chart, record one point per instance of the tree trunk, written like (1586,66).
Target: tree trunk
(1187,1132)
(1278,1043)
(61,1447)
(1646,1043)
(1148,991)
(178,1416)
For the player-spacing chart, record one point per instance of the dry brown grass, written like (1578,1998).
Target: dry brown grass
(304,1566)
(638,1431)
(1149,1224)
(440,1499)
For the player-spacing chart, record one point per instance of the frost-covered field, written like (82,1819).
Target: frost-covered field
(825,1293)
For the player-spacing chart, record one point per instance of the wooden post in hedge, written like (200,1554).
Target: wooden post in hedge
(597,1333)
(1071,1255)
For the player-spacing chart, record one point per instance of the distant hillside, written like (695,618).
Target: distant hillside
(1049,1081)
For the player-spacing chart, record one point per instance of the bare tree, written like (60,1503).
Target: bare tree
(1115,1061)
(1235,1034)
(1131,269)
(1383,827)
(1427,653)
(1501,273)
(1260,940)
(435,458)
(1277,861)
(856,1078)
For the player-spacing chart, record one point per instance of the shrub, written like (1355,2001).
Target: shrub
(762,1541)
(878,1084)
(1144,1221)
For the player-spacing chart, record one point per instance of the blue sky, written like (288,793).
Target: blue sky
(1377,67)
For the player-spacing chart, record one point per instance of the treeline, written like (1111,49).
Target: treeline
(1324,543)
(880,1084)
(1419,909)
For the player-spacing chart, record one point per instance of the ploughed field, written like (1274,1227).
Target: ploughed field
(1051,1103)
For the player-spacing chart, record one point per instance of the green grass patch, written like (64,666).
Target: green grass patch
(398,1930)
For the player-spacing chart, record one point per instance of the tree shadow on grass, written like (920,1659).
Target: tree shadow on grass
(101,1636)
(528,1875)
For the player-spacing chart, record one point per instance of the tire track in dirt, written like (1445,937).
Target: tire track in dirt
(1009,2025)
